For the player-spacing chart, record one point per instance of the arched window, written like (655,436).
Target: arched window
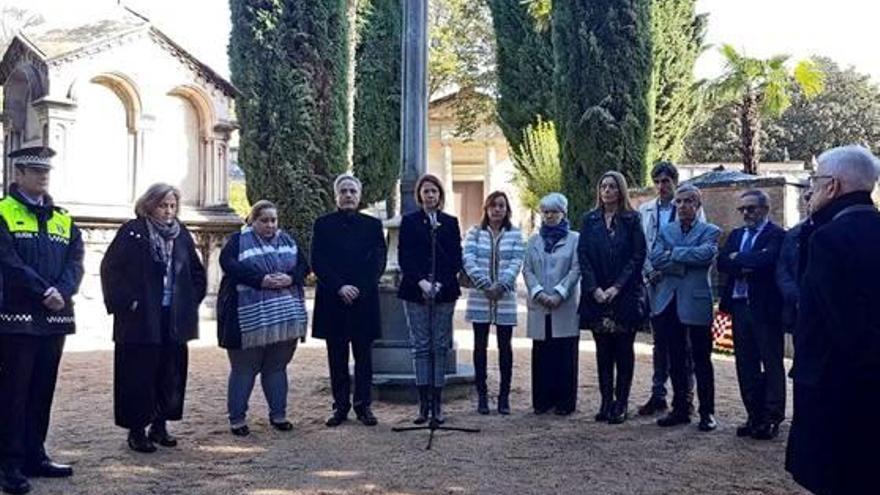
(99,168)
(178,149)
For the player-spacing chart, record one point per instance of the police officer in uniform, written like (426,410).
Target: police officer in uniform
(41,260)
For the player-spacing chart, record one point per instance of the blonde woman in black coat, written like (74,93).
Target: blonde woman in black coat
(153,283)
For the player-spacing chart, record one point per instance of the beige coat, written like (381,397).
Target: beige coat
(555,272)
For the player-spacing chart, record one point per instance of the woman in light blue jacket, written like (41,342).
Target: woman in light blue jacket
(493,256)
(551,272)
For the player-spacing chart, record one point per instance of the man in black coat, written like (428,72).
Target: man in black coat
(752,297)
(348,257)
(41,260)
(834,432)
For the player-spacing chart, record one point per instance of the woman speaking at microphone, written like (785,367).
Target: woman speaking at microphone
(429,288)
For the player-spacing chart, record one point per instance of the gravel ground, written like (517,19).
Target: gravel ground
(518,454)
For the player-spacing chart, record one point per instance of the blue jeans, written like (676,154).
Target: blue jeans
(417,318)
(271,363)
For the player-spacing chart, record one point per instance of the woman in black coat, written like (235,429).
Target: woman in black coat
(611,253)
(348,257)
(417,291)
(153,283)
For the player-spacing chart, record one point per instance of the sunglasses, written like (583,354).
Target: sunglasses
(749,208)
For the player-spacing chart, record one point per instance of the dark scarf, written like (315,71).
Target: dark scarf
(162,237)
(825,215)
(553,234)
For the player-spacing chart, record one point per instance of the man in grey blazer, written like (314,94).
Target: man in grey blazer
(681,304)
(655,215)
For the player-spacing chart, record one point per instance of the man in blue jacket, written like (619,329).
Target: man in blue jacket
(41,260)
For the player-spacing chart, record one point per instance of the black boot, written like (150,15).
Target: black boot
(618,414)
(482,401)
(158,433)
(424,404)
(437,405)
(13,481)
(604,410)
(606,391)
(504,403)
(138,441)
(505,364)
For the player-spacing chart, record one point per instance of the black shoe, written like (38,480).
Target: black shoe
(619,413)
(766,431)
(674,418)
(336,419)
(13,481)
(47,469)
(746,429)
(366,417)
(542,410)
(138,441)
(653,406)
(604,412)
(437,405)
(483,403)
(158,433)
(283,425)
(424,405)
(707,423)
(504,404)
(562,411)
(240,431)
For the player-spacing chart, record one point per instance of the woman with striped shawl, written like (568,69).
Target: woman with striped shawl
(493,257)
(261,313)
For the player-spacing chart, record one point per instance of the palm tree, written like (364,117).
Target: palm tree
(760,87)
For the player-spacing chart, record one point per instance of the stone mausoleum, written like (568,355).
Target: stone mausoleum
(124,106)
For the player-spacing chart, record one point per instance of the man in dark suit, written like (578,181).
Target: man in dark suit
(752,297)
(834,432)
(348,257)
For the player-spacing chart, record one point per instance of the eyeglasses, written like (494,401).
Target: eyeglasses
(814,178)
(551,212)
(747,208)
(685,201)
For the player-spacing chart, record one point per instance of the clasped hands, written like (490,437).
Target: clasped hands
(549,301)
(348,293)
(53,299)
(605,296)
(427,291)
(277,281)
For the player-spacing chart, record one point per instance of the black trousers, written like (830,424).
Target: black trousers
(149,383)
(700,351)
(554,371)
(614,352)
(660,357)
(505,356)
(340,381)
(28,372)
(759,350)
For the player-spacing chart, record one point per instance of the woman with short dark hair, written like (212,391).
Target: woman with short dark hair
(260,313)
(153,283)
(429,288)
(611,254)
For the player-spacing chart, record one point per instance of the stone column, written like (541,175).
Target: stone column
(448,177)
(414,104)
(491,160)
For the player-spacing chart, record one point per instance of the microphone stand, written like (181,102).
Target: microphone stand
(433,425)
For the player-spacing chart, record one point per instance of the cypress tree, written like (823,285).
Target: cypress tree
(602,57)
(524,65)
(377,100)
(678,36)
(289,60)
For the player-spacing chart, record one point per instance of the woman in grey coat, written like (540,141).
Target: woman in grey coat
(552,274)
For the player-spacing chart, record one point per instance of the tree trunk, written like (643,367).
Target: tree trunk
(750,133)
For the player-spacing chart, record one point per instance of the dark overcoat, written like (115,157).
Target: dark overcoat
(347,249)
(414,255)
(758,267)
(234,273)
(129,273)
(836,371)
(612,260)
